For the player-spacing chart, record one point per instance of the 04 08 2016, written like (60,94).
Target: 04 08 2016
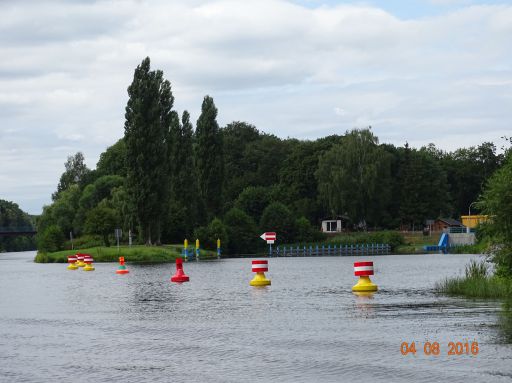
(435,349)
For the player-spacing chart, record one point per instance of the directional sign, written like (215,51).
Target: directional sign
(270,237)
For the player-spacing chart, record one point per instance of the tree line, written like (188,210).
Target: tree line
(12,218)
(166,181)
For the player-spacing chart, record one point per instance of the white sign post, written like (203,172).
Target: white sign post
(270,237)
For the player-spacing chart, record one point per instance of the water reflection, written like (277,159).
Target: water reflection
(366,295)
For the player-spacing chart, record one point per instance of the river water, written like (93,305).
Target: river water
(58,325)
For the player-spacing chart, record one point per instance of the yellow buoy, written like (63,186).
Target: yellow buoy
(259,267)
(88,263)
(72,262)
(363,270)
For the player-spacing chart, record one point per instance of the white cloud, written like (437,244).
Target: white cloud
(283,67)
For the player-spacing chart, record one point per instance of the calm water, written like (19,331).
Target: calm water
(71,326)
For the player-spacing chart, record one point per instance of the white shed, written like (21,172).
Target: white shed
(331,226)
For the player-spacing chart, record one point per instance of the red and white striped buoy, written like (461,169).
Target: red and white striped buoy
(363,270)
(260,266)
(88,263)
(72,262)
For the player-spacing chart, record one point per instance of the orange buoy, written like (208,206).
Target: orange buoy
(122,268)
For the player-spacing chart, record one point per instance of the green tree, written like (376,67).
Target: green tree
(113,160)
(50,239)
(264,158)
(208,235)
(297,177)
(92,195)
(237,136)
(101,220)
(467,171)
(423,186)
(496,201)
(148,116)
(182,215)
(62,212)
(75,173)
(253,200)
(122,204)
(209,158)
(306,232)
(278,218)
(242,232)
(353,178)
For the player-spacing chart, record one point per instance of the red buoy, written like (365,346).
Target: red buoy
(180,275)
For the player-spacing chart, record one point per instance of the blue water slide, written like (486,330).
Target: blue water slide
(442,245)
(443,241)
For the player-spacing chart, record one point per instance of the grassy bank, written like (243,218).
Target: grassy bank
(414,241)
(167,253)
(477,283)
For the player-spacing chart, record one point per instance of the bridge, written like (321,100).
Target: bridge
(17,231)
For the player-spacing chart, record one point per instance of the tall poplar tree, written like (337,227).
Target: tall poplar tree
(182,217)
(148,116)
(187,175)
(209,159)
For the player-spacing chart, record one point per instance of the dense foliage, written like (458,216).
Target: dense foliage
(12,218)
(496,201)
(163,181)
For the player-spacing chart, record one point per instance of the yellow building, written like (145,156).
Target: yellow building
(473,221)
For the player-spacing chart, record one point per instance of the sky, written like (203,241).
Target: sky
(416,71)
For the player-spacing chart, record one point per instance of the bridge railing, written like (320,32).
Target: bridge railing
(331,250)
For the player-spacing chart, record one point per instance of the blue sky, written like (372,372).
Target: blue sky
(437,71)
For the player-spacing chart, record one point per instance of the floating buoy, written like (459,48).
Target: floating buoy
(80,260)
(180,275)
(259,267)
(72,262)
(88,263)
(363,270)
(122,268)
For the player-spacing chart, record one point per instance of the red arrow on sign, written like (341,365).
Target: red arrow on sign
(270,237)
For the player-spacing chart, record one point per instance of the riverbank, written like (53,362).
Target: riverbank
(166,253)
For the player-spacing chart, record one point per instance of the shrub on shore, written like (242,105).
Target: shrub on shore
(477,283)
(392,238)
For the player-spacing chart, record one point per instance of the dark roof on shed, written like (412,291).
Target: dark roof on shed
(450,221)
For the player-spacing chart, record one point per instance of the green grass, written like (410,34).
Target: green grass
(167,253)
(415,242)
(477,283)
